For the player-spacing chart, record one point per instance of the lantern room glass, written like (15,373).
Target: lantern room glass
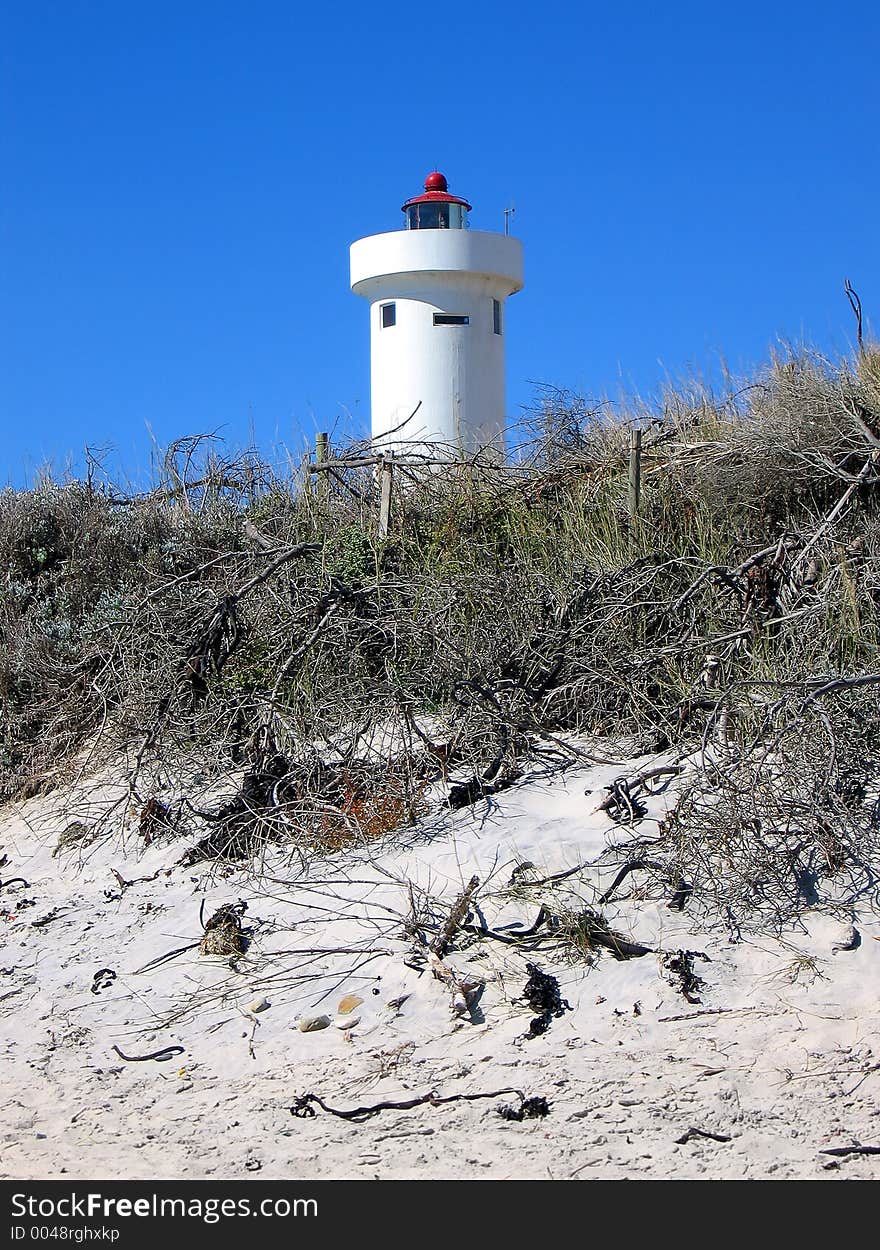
(436,216)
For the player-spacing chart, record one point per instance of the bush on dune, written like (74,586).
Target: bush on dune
(238,615)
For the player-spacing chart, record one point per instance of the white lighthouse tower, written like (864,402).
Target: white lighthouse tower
(437,294)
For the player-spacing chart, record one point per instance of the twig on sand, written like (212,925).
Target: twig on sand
(623,803)
(460,909)
(464,989)
(875,1067)
(251,1051)
(124,884)
(303,1109)
(515,936)
(712,1011)
(160,1056)
(154,963)
(842,1151)
(700,1132)
(632,866)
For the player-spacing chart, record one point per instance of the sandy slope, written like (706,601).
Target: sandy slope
(781,1057)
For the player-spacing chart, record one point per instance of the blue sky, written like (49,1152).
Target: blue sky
(180,184)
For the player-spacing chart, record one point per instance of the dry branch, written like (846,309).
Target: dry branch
(457,914)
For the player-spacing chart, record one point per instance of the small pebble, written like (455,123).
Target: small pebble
(346,1022)
(311,1024)
(348,1004)
(259,1004)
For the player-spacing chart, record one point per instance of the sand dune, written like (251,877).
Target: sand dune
(774,1060)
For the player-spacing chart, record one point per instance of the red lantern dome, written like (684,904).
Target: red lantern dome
(436,208)
(436,182)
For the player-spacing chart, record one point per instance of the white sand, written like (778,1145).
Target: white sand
(780,1056)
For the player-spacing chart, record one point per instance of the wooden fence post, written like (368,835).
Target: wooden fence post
(322,455)
(385,485)
(635,474)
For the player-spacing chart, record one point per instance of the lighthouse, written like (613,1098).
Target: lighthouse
(437,293)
